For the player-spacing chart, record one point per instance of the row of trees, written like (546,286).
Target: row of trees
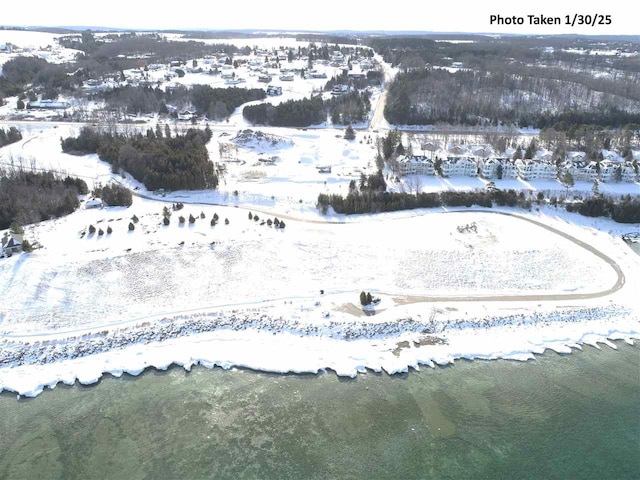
(30,197)
(180,162)
(9,136)
(626,210)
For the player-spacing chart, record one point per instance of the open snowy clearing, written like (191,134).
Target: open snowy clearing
(253,298)
(100,280)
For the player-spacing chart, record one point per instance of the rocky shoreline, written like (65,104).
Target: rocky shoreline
(43,351)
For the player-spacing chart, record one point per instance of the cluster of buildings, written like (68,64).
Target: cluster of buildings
(481,162)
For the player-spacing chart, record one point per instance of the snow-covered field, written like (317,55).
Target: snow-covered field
(283,300)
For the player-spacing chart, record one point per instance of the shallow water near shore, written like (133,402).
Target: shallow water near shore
(561,416)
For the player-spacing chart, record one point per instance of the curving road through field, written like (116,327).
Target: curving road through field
(399,298)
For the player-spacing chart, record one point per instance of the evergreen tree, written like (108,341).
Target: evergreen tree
(369,298)
(518,153)
(132,227)
(363,298)
(16,228)
(567,180)
(349,133)
(26,246)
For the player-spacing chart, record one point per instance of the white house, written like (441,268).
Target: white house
(580,170)
(274,90)
(535,170)
(10,244)
(49,105)
(608,171)
(415,165)
(628,172)
(459,167)
(340,89)
(94,203)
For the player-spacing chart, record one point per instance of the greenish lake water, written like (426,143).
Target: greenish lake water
(560,417)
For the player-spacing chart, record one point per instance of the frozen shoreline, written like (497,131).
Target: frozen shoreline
(279,346)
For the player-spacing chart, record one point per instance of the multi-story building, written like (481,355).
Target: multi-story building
(416,165)
(535,170)
(459,167)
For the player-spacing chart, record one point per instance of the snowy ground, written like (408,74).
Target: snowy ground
(84,305)
(248,294)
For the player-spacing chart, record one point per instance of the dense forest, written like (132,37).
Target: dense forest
(215,103)
(538,82)
(50,78)
(352,107)
(28,197)
(9,136)
(292,113)
(156,159)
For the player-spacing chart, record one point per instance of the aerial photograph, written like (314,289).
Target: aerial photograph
(319,241)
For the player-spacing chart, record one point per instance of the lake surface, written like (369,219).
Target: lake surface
(560,417)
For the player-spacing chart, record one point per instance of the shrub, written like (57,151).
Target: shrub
(135,219)
(181,219)
(202,215)
(226,221)
(166,221)
(26,246)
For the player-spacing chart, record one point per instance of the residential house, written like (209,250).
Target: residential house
(94,203)
(10,244)
(608,171)
(274,90)
(509,169)
(459,167)
(49,105)
(535,170)
(415,165)
(340,89)
(580,170)
(489,167)
(628,172)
